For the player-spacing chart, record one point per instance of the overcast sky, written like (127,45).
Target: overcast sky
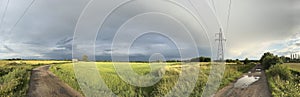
(46,30)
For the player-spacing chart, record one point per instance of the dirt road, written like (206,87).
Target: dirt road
(257,89)
(43,83)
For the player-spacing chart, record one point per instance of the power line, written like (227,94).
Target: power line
(23,14)
(4,14)
(214,6)
(221,39)
(228,15)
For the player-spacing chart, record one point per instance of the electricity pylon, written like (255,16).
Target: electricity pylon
(221,40)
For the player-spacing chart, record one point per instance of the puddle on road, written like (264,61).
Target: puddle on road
(245,81)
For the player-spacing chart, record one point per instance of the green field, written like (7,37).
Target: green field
(15,76)
(66,73)
(294,66)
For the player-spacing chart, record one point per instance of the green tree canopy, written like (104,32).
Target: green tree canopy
(201,59)
(246,61)
(268,60)
(85,58)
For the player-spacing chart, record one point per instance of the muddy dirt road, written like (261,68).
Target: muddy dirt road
(43,83)
(257,89)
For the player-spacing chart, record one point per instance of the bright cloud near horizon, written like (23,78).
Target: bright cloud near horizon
(46,30)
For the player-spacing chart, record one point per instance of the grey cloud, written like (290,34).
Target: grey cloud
(64,41)
(62,49)
(48,27)
(58,54)
(7,48)
(108,50)
(258,23)
(32,43)
(45,23)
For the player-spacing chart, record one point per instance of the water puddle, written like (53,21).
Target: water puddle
(245,81)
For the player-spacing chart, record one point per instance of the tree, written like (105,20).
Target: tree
(284,59)
(287,59)
(230,61)
(85,58)
(246,61)
(237,60)
(265,55)
(268,60)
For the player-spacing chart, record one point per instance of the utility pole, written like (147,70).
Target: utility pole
(220,40)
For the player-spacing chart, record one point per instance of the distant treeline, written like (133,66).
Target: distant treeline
(197,59)
(13,59)
(237,60)
(289,60)
(201,59)
(18,59)
(139,61)
(286,59)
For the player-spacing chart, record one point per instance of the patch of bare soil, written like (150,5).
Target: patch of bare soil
(257,89)
(43,83)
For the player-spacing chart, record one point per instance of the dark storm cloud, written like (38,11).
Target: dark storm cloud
(46,30)
(42,29)
(143,47)
(62,49)
(57,54)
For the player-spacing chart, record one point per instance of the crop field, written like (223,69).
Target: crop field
(15,76)
(294,66)
(121,88)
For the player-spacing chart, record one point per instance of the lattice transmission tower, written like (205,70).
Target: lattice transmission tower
(221,40)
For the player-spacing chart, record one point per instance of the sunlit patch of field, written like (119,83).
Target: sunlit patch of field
(169,79)
(3,62)
(32,62)
(294,66)
(42,61)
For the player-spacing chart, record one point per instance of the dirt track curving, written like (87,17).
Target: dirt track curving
(43,83)
(257,89)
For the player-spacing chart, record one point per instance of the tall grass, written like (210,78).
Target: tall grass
(15,83)
(14,79)
(15,76)
(283,81)
(234,71)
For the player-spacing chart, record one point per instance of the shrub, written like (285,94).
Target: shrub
(283,82)
(283,72)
